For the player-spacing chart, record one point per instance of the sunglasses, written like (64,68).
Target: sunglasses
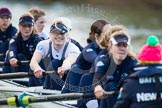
(26,19)
(121,44)
(59,27)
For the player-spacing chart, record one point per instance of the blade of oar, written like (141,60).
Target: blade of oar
(38,90)
(25,100)
(20,75)
(19,63)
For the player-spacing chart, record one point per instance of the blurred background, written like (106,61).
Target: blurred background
(141,17)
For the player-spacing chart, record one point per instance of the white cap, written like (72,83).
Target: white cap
(120,38)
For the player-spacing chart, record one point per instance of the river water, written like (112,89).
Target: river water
(140,19)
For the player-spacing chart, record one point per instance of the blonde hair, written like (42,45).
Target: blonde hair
(115,31)
(65,21)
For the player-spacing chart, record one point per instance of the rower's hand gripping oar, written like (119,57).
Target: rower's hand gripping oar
(24,100)
(18,62)
(21,75)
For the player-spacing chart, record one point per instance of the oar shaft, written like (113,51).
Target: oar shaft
(14,75)
(58,97)
(25,100)
(61,97)
(3,102)
(2,54)
(19,63)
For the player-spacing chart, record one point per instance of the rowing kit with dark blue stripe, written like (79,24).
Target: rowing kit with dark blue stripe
(142,89)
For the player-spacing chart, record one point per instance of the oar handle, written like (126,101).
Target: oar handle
(19,63)
(89,95)
(30,74)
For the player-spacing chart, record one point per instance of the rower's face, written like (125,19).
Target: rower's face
(26,30)
(58,38)
(119,51)
(40,23)
(4,22)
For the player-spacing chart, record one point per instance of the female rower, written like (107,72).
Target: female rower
(58,54)
(87,56)
(112,69)
(22,46)
(40,20)
(142,89)
(7,31)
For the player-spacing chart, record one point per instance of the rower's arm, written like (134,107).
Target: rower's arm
(34,63)
(68,62)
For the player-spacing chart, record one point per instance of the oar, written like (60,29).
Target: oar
(23,100)
(21,75)
(19,63)
(1,54)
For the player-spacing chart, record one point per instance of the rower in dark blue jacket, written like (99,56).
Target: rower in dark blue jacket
(7,31)
(22,46)
(143,88)
(86,58)
(112,69)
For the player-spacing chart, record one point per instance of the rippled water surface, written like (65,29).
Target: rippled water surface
(141,19)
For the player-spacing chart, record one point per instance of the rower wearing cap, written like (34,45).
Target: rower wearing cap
(68,24)
(22,46)
(7,31)
(58,55)
(112,68)
(142,89)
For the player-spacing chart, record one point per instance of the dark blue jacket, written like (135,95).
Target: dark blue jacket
(19,46)
(5,38)
(87,56)
(142,89)
(102,64)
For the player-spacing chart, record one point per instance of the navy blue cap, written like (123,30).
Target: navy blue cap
(26,20)
(59,27)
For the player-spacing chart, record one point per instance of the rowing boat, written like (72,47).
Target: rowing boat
(21,88)
(42,98)
(9,84)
